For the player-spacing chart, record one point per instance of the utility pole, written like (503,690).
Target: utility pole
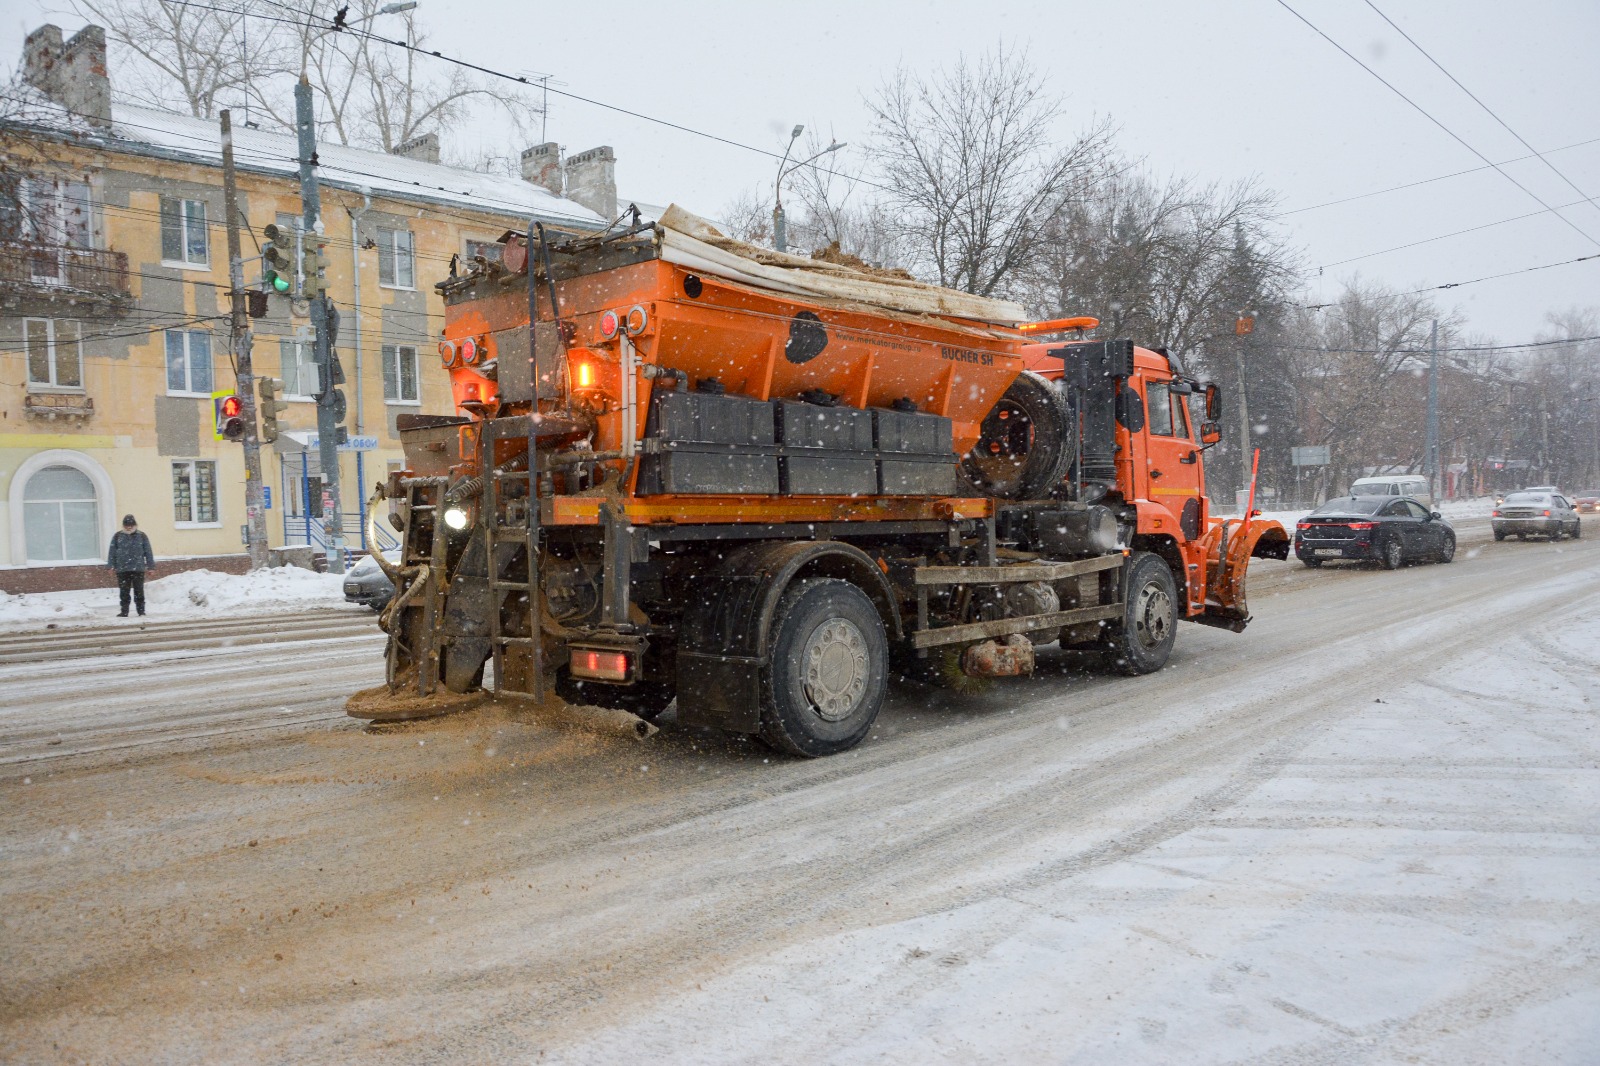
(322,353)
(1242,328)
(1431,447)
(254,499)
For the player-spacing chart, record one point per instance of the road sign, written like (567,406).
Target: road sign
(354,444)
(266,497)
(1311,455)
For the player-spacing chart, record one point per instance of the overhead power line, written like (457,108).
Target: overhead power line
(1430,181)
(1429,116)
(1490,111)
(1442,236)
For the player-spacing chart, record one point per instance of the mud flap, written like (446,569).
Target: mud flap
(1228,555)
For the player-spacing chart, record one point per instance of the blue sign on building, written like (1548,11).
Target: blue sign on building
(266,496)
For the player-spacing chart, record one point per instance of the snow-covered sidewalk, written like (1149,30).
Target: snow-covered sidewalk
(193,594)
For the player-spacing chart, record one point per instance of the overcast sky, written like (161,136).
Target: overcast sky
(1222,89)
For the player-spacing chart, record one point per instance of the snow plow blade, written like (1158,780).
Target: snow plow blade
(1229,550)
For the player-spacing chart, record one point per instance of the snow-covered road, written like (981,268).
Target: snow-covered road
(1366,830)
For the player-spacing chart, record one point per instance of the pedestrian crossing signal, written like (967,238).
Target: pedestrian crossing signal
(229,412)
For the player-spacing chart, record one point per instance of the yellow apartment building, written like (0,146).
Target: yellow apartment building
(113,315)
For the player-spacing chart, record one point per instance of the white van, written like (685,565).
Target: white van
(1399,485)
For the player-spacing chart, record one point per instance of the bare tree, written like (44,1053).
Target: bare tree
(970,169)
(372,94)
(186,57)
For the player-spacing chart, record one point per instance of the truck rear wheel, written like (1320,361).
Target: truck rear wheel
(1144,641)
(828,670)
(1027,444)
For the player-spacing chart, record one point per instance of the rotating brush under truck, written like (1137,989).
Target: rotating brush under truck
(685,469)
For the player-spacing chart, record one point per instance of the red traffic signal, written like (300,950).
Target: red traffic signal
(229,412)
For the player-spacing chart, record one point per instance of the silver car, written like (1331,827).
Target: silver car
(1535,513)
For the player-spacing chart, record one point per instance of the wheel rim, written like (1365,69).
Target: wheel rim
(837,669)
(1152,615)
(1392,553)
(1449,547)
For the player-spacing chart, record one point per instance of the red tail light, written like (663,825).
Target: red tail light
(609,324)
(1547,514)
(1302,525)
(1494,514)
(1363,525)
(599,665)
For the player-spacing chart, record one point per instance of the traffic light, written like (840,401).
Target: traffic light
(229,412)
(315,276)
(268,390)
(337,402)
(277,262)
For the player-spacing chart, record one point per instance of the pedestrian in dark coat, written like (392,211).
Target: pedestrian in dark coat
(130,556)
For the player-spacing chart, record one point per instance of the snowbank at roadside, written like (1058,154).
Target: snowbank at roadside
(187,595)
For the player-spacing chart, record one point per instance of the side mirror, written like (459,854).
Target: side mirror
(1435,514)
(1210,433)
(1213,401)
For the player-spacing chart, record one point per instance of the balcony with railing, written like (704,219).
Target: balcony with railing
(52,273)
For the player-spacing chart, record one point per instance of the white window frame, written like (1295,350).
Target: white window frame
(188,362)
(54,384)
(304,365)
(398,351)
(391,235)
(194,494)
(184,203)
(47,207)
(468,242)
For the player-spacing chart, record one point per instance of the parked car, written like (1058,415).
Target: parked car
(367,584)
(1587,501)
(1391,531)
(1398,485)
(1537,513)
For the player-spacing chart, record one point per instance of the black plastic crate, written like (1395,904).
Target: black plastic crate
(705,418)
(906,475)
(838,429)
(908,432)
(808,473)
(713,470)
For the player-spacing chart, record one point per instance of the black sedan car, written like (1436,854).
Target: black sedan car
(366,583)
(1391,531)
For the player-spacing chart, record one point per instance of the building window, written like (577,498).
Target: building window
(397,266)
(61,517)
(55,353)
(188,362)
(400,373)
(194,493)
(299,370)
(490,250)
(51,215)
(183,232)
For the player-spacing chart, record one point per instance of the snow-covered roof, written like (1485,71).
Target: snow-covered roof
(151,131)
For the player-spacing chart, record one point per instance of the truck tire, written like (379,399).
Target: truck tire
(1026,446)
(828,669)
(1143,641)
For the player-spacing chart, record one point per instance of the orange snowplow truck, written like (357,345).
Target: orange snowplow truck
(759,485)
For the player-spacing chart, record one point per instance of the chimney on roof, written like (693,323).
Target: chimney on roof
(541,165)
(592,180)
(73,74)
(424,149)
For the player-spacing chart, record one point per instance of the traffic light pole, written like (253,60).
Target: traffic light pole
(322,353)
(254,497)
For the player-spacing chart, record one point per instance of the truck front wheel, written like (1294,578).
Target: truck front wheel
(1149,626)
(828,669)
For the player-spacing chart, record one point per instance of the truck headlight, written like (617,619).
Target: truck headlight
(455,518)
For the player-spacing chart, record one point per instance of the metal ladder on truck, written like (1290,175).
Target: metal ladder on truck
(511,522)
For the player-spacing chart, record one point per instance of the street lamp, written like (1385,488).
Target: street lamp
(780,234)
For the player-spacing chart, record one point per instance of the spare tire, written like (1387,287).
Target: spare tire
(1027,443)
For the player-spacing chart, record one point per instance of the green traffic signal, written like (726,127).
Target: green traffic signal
(279,284)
